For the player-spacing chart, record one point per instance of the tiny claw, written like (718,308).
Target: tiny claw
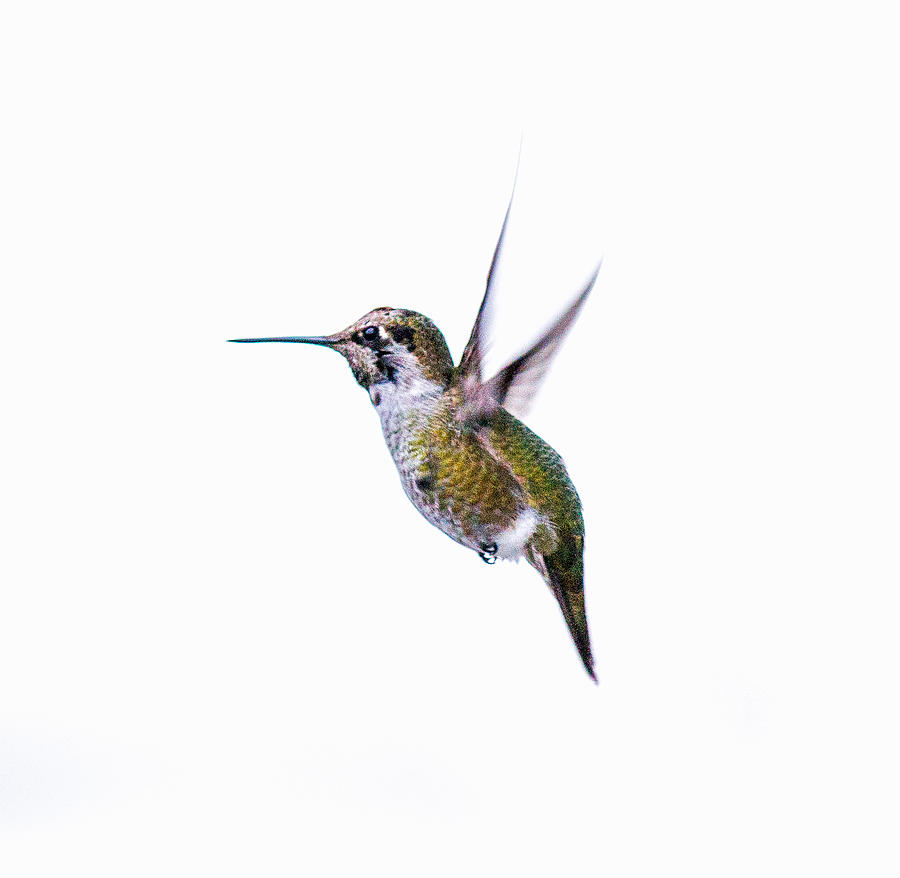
(489,554)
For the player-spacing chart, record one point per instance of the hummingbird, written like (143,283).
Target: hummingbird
(466,461)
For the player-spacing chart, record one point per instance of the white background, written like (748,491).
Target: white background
(228,644)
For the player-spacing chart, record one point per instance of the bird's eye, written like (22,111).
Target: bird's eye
(370,333)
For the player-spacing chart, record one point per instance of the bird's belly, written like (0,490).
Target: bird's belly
(482,529)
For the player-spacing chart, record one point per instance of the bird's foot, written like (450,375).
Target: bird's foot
(488,554)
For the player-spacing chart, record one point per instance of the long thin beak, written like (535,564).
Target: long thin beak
(327,341)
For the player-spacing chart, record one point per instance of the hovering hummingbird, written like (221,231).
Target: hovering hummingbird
(466,462)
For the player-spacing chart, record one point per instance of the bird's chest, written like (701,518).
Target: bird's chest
(406,424)
(403,430)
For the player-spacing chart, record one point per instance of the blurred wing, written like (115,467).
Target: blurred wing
(516,384)
(473,356)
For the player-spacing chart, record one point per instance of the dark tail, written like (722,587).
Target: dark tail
(563,571)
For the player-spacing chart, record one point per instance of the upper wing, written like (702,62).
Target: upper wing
(515,385)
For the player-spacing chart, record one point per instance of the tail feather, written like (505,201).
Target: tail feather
(565,576)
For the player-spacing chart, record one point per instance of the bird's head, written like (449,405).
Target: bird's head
(386,345)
